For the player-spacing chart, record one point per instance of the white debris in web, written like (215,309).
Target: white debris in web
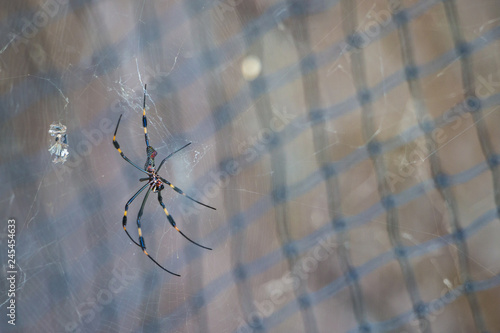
(59,145)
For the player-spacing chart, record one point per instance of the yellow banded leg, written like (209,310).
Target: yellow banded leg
(125,213)
(117,146)
(172,222)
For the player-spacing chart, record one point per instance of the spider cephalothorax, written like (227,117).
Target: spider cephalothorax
(155,183)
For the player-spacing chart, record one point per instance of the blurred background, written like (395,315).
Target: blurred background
(351,148)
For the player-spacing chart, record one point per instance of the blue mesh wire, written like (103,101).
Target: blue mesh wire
(79,272)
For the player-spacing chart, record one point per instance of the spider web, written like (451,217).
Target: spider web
(334,148)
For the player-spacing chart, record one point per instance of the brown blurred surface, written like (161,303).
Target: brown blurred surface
(356,178)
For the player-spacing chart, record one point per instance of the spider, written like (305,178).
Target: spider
(155,183)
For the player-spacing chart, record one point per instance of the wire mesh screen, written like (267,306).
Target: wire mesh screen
(351,149)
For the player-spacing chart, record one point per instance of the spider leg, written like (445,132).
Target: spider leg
(124,221)
(171,155)
(117,146)
(172,222)
(141,243)
(178,190)
(144,119)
